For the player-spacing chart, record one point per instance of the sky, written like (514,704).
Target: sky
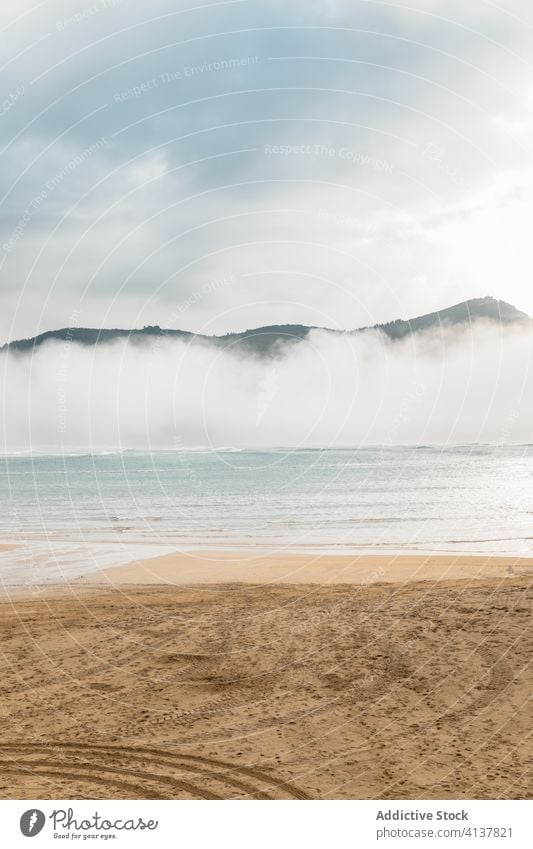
(224,165)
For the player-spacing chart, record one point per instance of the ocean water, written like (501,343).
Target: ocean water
(78,513)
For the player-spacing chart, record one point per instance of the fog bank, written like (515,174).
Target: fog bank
(329,390)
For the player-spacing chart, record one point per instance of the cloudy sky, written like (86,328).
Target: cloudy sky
(217,166)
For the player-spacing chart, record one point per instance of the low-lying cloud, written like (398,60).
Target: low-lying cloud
(329,390)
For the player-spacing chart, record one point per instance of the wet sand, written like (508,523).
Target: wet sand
(386,687)
(197,568)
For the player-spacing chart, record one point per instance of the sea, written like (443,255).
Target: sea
(76,513)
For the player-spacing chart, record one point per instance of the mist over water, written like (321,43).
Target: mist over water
(472,385)
(167,405)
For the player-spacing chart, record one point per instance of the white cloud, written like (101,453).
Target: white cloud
(326,391)
(184,192)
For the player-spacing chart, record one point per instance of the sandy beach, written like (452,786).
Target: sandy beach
(216,676)
(198,568)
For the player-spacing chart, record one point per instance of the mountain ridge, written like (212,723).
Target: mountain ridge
(269,339)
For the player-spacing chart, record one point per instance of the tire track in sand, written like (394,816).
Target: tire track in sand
(223,772)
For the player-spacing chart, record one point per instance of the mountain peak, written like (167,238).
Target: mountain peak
(465,312)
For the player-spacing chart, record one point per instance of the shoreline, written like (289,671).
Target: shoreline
(209,568)
(56,562)
(230,568)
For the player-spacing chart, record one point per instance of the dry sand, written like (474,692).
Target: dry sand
(384,690)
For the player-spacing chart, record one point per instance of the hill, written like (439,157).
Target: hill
(271,339)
